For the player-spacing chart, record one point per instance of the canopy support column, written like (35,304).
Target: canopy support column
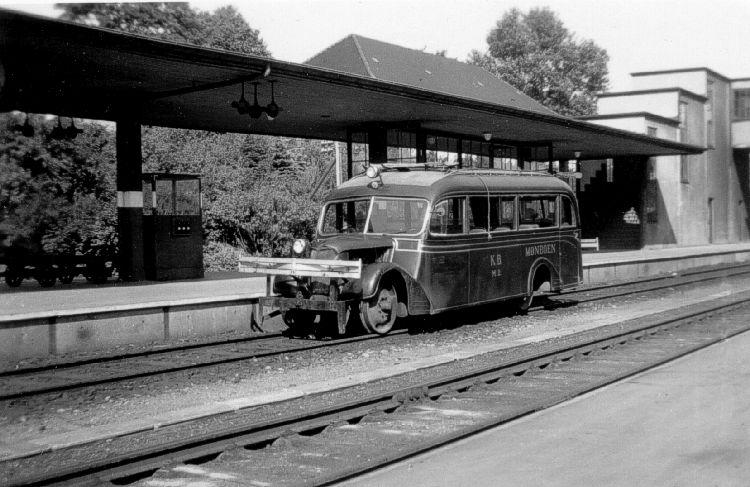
(130,201)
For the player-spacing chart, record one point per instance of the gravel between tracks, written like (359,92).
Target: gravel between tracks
(101,411)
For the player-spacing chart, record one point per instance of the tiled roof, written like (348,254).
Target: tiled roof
(388,62)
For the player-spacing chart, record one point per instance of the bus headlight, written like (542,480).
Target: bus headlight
(299,246)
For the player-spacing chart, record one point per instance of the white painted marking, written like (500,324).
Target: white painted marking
(130,199)
(451,412)
(190,469)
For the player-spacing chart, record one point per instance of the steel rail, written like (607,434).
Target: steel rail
(197,447)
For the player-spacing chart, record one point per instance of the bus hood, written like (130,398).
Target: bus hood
(346,243)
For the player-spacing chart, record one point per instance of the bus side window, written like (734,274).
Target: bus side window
(549,211)
(502,211)
(568,216)
(537,211)
(448,217)
(529,210)
(477,214)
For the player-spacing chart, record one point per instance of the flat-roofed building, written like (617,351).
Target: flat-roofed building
(685,199)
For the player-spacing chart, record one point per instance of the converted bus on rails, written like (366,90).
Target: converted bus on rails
(402,241)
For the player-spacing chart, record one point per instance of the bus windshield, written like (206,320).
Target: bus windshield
(376,215)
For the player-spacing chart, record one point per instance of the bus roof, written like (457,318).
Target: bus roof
(435,184)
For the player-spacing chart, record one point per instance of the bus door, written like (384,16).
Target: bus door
(570,246)
(447,255)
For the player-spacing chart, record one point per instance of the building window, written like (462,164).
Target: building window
(505,157)
(684,169)
(610,170)
(441,150)
(652,215)
(742,104)
(475,154)
(360,153)
(683,121)
(651,131)
(402,146)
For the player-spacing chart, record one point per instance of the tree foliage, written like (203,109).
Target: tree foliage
(173,21)
(537,54)
(56,195)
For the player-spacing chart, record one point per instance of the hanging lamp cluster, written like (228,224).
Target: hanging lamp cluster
(70,132)
(256,110)
(58,133)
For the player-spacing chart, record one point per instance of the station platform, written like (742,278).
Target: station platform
(81,317)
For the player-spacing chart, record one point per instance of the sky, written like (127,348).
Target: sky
(639,35)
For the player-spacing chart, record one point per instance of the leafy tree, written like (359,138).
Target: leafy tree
(537,54)
(174,21)
(56,195)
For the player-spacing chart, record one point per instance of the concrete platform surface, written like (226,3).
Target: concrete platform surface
(30,298)
(686,423)
(652,254)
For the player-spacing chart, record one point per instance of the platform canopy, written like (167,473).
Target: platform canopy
(51,66)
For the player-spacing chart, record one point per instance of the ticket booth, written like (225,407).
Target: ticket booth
(172,228)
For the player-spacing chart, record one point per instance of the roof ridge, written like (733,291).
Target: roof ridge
(362,55)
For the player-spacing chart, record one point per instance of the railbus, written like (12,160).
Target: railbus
(417,240)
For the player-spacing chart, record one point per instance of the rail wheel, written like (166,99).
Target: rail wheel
(300,323)
(378,314)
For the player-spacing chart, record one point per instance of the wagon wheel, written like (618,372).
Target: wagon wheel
(45,276)
(300,322)
(97,273)
(13,277)
(67,274)
(378,314)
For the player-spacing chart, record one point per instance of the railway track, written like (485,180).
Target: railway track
(66,376)
(337,435)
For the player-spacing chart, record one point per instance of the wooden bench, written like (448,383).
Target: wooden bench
(590,244)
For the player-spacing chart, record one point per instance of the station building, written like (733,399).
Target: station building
(674,200)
